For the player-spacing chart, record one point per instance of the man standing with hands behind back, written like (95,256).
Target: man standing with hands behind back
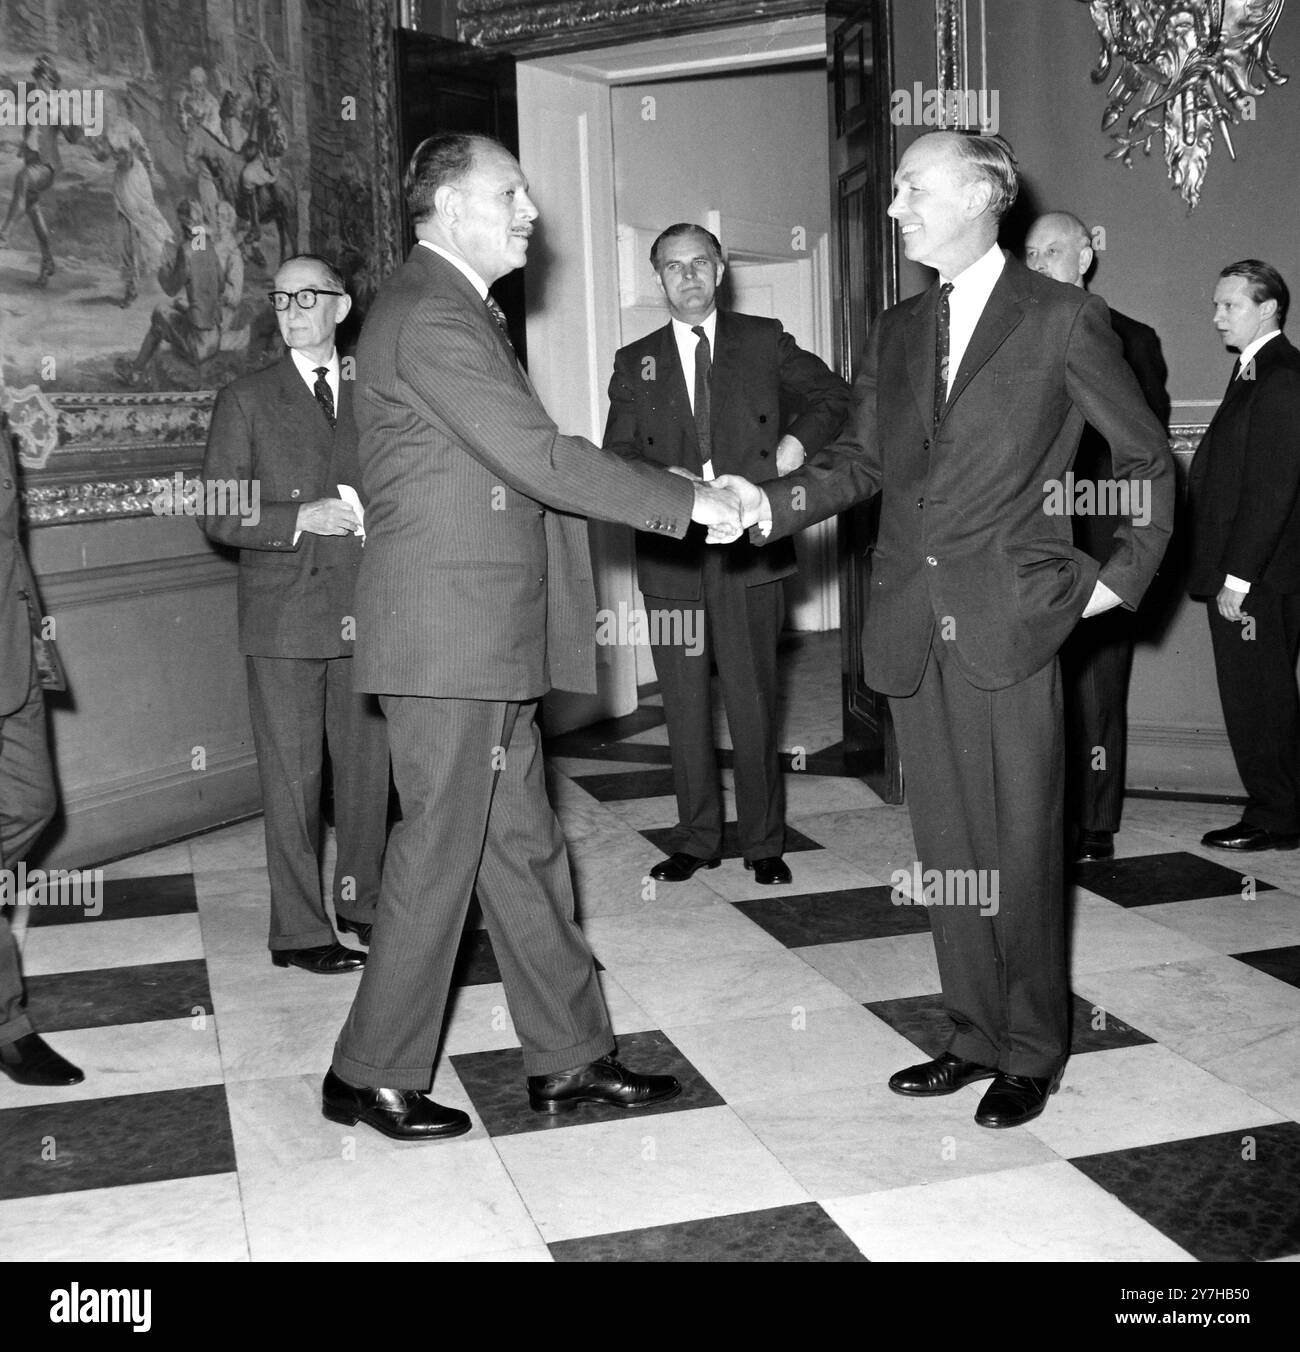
(1244,490)
(705,394)
(288,430)
(1097,656)
(475,598)
(967,409)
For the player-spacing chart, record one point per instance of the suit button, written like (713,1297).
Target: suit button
(649,441)
(762,455)
(294,493)
(541,511)
(932,561)
(762,417)
(920,504)
(925,445)
(9,483)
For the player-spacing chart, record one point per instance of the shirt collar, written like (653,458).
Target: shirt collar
(460,265)
(1250,349)
(683,331)
(307,367)
(982,274)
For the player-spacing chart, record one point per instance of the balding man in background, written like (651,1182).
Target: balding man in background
(1097,657)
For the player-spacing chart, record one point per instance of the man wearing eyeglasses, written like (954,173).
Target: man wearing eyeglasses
(285,436)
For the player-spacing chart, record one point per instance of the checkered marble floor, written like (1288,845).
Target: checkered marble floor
(197,1132)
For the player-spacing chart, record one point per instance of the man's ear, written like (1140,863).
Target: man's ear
(659,281)
(1086,255)
(343,305)
(445,201)
(979,193)
(721,268)
(1268,308)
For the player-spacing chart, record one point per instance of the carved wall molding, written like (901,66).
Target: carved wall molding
(1181,71)
(537,27)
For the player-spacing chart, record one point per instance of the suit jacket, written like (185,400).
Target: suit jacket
(268,429)
(1095,534)
(964,539)
(758,371)
(476,581)
(1244,484)
(18,597)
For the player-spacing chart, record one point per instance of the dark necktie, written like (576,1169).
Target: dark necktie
(499,315)
(941,355)
(703,403)
(321,390)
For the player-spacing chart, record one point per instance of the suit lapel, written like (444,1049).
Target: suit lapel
(918,341)
(1002,313)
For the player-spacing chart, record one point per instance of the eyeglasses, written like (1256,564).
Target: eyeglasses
(306,298)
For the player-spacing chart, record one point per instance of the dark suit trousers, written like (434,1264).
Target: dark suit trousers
(741,627)
(1095,665)
(297,704)
(1261,707)
(27,802)
(985,781)
(475,817)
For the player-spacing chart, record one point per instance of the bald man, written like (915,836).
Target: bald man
(1097,657)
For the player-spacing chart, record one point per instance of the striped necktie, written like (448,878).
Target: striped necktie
(941,355)
(321,389)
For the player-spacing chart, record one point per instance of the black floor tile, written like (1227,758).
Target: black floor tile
(1283,963)
(597,739)
(476,962)
(923,1020)
(112,1142)
(621,785)
(834,917)
(124,899)
(111,995)
(665,838)
(1225,1198)
(497,1086)
(1152,879)
(802,1233)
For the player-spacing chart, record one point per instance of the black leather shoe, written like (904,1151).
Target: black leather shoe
(1244,837)
(946,1074)
(1095,845)
(605,1081)
(1013,1100)
(403,1114)
(678,867)
(327,958)
(31,1060)
(773,869)
(361,928)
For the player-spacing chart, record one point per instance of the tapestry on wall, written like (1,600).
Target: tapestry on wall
(158,158)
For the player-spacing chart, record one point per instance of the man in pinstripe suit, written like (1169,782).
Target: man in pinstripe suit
(475,597)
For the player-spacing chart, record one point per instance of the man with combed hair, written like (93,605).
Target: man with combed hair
(705,394)
(1097,657)
(970,400)
(476,597)
(1244,493)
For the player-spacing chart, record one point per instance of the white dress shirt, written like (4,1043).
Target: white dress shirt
(970,293)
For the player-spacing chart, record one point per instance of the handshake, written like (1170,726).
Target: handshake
(727,505)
